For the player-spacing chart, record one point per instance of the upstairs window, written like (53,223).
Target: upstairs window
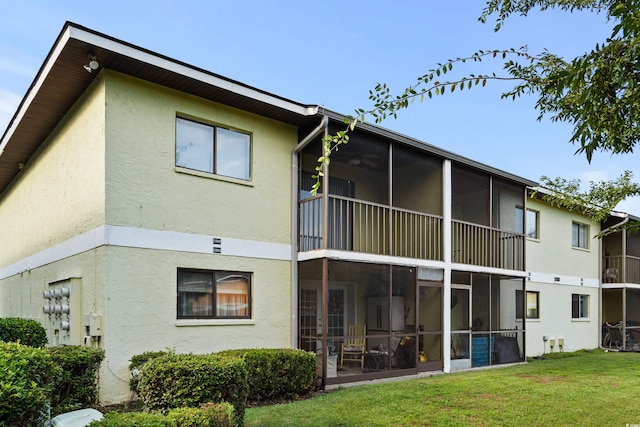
(533,224)
(579,235)
(205,294)
(212,149)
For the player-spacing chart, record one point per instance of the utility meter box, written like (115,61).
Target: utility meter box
(95,325)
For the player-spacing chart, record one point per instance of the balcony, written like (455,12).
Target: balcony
(485,246)
(358,226)
(621,269)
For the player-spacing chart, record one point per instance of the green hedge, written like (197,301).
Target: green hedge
(77,385)
(208,415)
(132,419)
(26,331)
(27,378)
(277,373)
(189,380)
(136,363)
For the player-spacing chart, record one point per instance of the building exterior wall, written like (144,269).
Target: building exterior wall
(141,304)
(557,271)
(60,193)
(145,189)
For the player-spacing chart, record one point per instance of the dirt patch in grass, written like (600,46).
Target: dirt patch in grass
(542,379)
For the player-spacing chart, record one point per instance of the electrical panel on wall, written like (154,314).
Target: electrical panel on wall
(62,311)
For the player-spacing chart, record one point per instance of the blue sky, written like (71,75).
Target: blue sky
(332,53)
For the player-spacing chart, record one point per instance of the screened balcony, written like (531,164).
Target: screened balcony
(387,199)
(371,228)
(621,261)
(382,199)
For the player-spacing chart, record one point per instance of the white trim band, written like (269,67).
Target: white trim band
(142,238)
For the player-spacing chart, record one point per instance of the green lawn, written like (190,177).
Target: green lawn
(585,389)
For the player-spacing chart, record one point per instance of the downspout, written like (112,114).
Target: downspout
(600,258)
(319,130)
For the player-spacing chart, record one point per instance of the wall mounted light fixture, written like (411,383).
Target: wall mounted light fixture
(93,63)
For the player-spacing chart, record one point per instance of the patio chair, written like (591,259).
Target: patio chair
(613,337)
(353,348)
(610,275)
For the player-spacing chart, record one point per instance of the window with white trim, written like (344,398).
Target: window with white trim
(213,149)
(579,235)
(579,306)
(208,294)
(533,224)
(532,304)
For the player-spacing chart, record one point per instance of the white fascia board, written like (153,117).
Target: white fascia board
(368,258)
(145,238)
(490,270)
(141,238)
(135,53)
(560,279)
(44,72)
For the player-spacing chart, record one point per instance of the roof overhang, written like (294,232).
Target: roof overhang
(63,78)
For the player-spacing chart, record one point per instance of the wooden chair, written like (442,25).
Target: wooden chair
(353,348)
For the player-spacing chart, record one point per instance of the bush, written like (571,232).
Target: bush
(25,331)
(188,380)
(136,363)
(208,415)
(132,419)
(77,385)
(27,378)
(277,373)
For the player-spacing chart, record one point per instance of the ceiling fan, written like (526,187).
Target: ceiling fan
(369,160)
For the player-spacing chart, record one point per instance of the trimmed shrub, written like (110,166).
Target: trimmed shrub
(25,331)
(208,415)
(77,385)
(189,380)
(27,378)
(136,363)
(132,419)
(277,373)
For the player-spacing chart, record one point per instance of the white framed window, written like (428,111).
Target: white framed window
(532,304)
(213,149)
(208,294)
(579,306)
(579,235)
(532,224)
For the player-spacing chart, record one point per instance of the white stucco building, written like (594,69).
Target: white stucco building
(146,204)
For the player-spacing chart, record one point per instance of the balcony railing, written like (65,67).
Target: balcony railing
(359,226)
(620,269)
(489,247)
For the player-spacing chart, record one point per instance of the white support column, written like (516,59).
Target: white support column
(446,247)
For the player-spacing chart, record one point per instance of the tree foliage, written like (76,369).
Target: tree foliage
(598,93)
(597,202)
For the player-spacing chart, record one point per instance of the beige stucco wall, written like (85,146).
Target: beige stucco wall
(557,271)
(552,252)
(144,189)
(60,193)
(556,322)
(141,309)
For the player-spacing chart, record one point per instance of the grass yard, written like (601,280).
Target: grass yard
(575,389)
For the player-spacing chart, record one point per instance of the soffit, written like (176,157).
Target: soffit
(62,79)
